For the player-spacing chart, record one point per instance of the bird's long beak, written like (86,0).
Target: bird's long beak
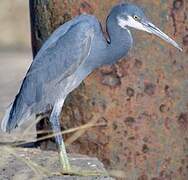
(151,28)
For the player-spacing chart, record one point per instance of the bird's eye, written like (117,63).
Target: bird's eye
(137,18)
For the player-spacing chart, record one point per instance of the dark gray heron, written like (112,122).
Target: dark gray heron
(71,53)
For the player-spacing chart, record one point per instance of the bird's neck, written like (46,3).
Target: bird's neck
(120,39)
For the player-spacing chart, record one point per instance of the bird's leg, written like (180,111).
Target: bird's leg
(67,169)
(54,119)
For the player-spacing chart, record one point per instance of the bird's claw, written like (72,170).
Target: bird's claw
(76,171)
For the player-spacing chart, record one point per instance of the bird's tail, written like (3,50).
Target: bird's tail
(14,115)
(5,119)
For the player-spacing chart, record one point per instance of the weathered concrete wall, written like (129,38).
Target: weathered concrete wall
(142,99)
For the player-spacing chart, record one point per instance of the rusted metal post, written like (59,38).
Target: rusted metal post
(143,99)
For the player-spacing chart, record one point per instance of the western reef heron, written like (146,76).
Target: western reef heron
(71,53)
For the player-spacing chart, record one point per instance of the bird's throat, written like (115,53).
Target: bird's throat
(120,40)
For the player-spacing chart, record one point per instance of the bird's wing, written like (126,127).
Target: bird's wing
(66,47)
(60,56)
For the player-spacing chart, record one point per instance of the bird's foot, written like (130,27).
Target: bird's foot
(74,170)
(64,159)
(77,171)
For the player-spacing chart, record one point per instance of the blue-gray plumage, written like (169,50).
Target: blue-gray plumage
(72,52)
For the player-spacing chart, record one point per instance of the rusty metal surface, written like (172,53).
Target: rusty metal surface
(142,99)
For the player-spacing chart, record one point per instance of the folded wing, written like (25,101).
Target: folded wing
(61,55)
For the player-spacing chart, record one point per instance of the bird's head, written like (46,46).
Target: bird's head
(129,15)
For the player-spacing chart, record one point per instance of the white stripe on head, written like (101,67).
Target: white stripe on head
(131,22)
